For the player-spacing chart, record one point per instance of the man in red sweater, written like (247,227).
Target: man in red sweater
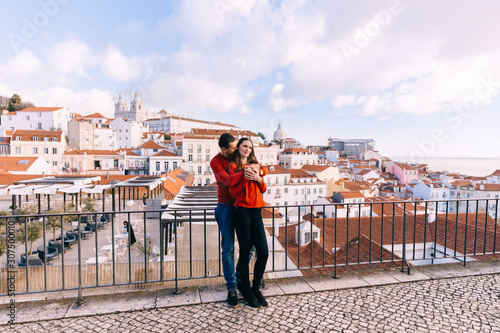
(225,208)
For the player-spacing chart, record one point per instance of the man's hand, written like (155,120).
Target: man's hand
(252,172)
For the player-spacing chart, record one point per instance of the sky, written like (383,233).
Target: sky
(421,78)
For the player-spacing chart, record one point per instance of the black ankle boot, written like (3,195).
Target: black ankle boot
(258,295)
(249,297)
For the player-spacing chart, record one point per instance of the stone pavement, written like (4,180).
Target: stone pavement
(438,298)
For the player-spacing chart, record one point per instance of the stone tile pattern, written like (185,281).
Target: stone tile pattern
(463,304)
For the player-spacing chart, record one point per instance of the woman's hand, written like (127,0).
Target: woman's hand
(252,172)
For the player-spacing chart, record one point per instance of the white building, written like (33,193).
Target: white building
(494,178)
(295,158)
(331,155)
(136,112)
(37,118)
(266,155)
(164,121)
(278,186)
(91,132)
(129,133)
(91,161)
(38,143)
(25,165)
(430,190)
(197,152)
(366,174)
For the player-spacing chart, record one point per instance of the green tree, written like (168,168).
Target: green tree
(54,222)
(167,136)
(3,239)
(261,135)
(16,103)
(34,229)
(147,248)
(88,204)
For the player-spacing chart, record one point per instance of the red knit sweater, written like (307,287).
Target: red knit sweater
(219,165)
(247,193)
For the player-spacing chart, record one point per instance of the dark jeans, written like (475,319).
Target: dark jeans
(250,231)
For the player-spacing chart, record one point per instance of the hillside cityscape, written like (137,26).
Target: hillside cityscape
(53,141)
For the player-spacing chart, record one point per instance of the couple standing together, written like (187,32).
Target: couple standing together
(240,186)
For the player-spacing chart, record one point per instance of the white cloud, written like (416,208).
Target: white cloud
(277,102)
(82,102)
(194,95)
(116,66)
(24,64)
(71,57)
(347,100)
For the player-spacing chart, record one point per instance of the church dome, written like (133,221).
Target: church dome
(279,134)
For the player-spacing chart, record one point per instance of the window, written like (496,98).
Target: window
(54,139)
(314,191)
(199,170)
(157,166)
(45,150)
(166,165)
(190,158)
(87,132)
(126,131)
(296,191)
(277,181)
(35,138)
(199,148)
(286,190)
(190,148)
(302,191)
(39,114)
(35,150)
(27,118)
(190,168)
(46,139)
(155,150)
(54,150)
(18,150)
(208,158)
(54,163)
(199,181)
(207,148)
(320,190)
(269,191)
(18,138)
(207,181)
(39,126)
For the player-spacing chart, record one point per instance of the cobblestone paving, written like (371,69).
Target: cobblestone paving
(468,304)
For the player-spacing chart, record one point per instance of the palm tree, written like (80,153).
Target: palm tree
(14,103)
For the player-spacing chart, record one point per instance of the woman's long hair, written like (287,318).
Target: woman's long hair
(251,159)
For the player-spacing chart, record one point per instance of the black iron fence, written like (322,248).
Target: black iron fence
(178,247)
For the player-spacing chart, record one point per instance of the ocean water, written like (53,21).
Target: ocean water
(469,166)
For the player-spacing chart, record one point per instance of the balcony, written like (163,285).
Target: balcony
(208,172)
(400,235)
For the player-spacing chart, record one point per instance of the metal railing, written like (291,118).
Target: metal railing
(178,246)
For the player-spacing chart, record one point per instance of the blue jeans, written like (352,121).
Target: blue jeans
(224,217)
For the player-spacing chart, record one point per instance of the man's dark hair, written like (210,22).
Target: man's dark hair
(225,139)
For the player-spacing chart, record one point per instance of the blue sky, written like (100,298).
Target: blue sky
(422,78)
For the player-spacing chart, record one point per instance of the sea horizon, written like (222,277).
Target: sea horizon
(470,166)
